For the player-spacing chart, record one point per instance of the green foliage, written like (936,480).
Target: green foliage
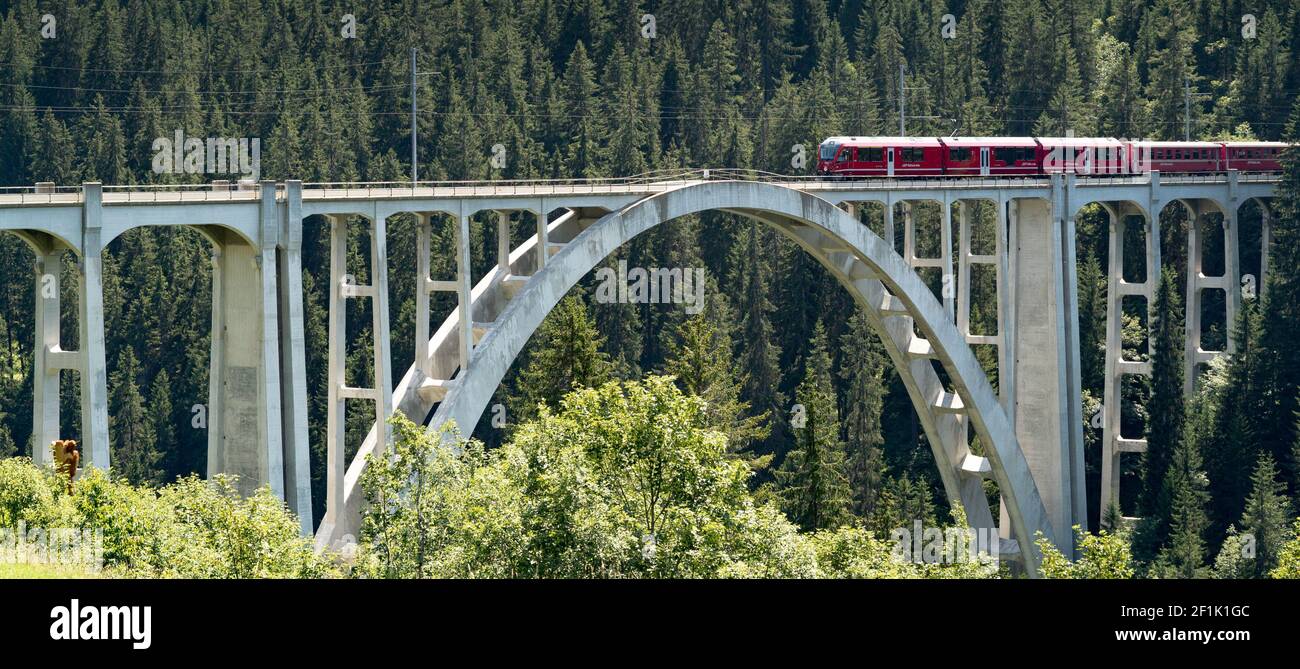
(625,480)
(813,481)
(189,529)
(700,358)
(1288,563)
(1265,518)
(1165,410)
(569,357)
(1102,555)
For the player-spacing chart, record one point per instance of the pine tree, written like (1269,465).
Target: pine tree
(700,358)
(1165,411)
(757,351)
(1265,520)
(1186,487)
(1092,324)
(812,481)
(135,450)
(1277,368)
(567,356)
(862,366)
(161,421)
(584,124)
(1231,445)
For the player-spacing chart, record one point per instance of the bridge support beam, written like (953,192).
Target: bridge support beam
(91,355)
(1198,283)
(1113,443)
(45,370)
(245,417)
(1045,330)
(293,360)
(343,287)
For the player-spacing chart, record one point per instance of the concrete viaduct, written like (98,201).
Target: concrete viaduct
(1030,432)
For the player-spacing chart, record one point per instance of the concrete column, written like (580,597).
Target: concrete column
(1111,392)
(422,243)
(336,463)
(1072,402)
(963,269)
(382,336)
(1192,312)
(543,244)
(293,361)
(909,235)
(464,284)
(1006,373)
(45,370)
(1266,246)
(94,371)
(945,258)
(1231,272)
(245,420)
(1046,401)
(889,224)
(503,243)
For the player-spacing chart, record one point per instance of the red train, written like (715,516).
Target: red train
(854,157)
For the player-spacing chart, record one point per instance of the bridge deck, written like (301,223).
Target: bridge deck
(641,185)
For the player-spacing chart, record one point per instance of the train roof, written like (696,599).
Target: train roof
(1175,145)
(1259,145)
(988,141)
(885,141)
(1050,142)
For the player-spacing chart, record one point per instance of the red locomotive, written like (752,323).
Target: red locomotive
(857,157)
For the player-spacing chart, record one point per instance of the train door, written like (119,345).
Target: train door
(984,161)
(889,161)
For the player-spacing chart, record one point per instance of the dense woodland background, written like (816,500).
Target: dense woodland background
(573,89)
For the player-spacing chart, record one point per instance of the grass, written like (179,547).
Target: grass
(24,570)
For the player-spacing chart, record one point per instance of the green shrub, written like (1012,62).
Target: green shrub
(189,529)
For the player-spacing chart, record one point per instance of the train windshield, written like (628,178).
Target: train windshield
(828,150)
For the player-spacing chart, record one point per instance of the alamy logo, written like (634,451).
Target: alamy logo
(657,285)
(212,155)
(103,623)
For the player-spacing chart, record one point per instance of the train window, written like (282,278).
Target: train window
(828,151)
(913,155)
(844,155)
(960,155)
(1011,156)
(871,155)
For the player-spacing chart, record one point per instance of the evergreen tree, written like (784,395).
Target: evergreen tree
(1265,520)
(757,351)
(161,418)
(812,481)
(1165,411)
(567,357)
(1231,444)
(862,366)
(700,358)
(1186,485)
(135,448)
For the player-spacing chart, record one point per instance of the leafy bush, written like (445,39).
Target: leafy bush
(1102,555)
(189,529)
(625,481)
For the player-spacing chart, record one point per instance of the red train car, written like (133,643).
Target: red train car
(1177,157)
(880,156)
(859,157)
(1086,156)
(990,156)
(1254,156)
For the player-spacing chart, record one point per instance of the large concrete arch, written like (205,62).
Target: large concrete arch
(880,280)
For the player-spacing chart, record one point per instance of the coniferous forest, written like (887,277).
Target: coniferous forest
(556,89)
